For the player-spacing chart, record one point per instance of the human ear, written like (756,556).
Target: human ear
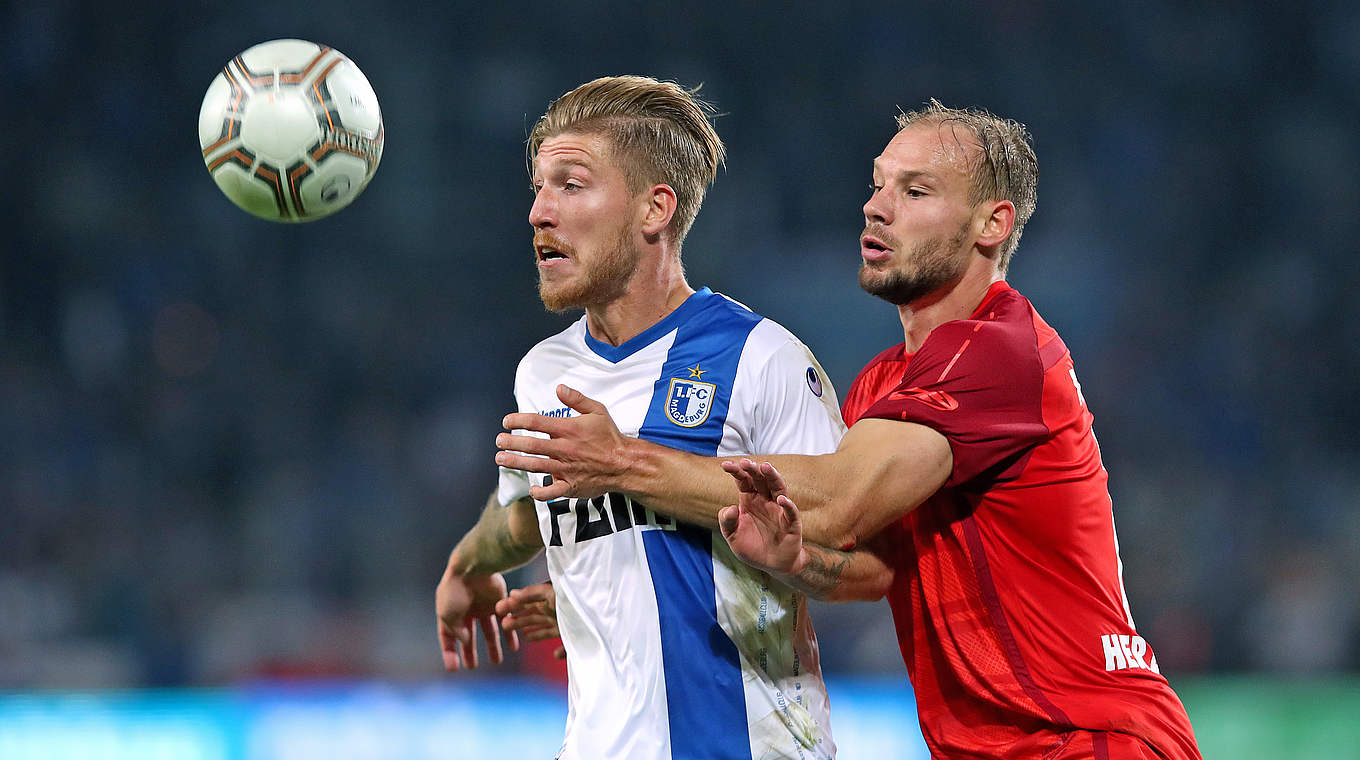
(998,224)
(661,203)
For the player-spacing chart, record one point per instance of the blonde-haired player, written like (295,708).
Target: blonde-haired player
(675,648)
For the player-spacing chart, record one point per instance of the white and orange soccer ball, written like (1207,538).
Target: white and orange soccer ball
(291,130)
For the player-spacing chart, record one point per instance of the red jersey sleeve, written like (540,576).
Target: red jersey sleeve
(979,382)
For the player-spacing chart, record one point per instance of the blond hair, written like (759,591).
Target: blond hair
(1006,167)
(660,130)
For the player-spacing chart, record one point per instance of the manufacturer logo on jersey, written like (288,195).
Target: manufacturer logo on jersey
(814,382)
(933,399)
(688,402)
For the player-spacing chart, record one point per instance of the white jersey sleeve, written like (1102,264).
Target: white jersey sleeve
(513,485)
(797,411)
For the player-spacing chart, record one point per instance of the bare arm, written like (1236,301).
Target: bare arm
(764,529)
(832,575)
(882,470)
(503,538)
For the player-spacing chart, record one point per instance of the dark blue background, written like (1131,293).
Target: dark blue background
(231,448)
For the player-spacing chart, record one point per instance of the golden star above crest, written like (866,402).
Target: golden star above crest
(695,373)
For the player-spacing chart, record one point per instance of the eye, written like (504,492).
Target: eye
(915,192)
(873,188)
(571,185)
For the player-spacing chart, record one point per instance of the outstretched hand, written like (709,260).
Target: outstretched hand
(581,453)
(532,612)
(462,601)
(763,527)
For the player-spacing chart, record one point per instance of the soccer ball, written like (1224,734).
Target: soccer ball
(290,130)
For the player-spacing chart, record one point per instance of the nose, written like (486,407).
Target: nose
(542,213)
(877,208)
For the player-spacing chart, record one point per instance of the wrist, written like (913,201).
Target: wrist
(462,563)
(800,563)
(639,467)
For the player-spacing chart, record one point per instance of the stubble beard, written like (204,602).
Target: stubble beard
(933,264)
(602,280)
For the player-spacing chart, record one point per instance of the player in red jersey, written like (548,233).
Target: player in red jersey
(969,490)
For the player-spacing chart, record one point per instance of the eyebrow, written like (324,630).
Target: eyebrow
(564,164)
(908,175)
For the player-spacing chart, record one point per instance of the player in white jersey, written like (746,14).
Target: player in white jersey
(675,649)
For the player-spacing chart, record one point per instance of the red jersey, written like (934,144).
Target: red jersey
(1008,598)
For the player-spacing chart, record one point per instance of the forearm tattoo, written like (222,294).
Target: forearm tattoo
(823,571)
(494,546)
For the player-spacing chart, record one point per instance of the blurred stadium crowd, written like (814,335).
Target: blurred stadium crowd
(232,450)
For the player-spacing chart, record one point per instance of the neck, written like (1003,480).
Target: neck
(956,300)
(654,291)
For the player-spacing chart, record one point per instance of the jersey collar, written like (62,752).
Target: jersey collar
(996,288)
(682,313)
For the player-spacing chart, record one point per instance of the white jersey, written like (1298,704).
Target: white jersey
(675,648)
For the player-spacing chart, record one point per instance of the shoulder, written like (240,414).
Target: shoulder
(763,337)
(772,350)
(1003,329)
(880,375)
(893,354)
(890,362)
(768,338)
(722,308)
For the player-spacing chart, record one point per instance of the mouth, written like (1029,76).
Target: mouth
(873,249)
(550,251)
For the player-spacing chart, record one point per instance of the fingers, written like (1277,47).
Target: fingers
(531,611)
(538,597)
(773,479)
(517,461)
(766,481)
(453,643)
(728,520)
(740,470)
(467,646)
(540,593)
(555,426)
(557,490)
(448,647)
(532,626)
(492,632)
(580,401)
(539,423)
(790,509)
(513,443)
(560,653)
(752,480)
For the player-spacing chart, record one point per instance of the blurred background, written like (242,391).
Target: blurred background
(234,454)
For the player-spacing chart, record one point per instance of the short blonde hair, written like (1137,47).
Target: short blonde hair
(660,130)
(1006,168)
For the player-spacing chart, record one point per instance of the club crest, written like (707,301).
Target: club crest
(688,402)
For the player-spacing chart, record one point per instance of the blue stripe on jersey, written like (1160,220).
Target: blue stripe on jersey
(706,349)
(704,692)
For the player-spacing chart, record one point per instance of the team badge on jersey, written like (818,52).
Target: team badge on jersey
(688,402)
